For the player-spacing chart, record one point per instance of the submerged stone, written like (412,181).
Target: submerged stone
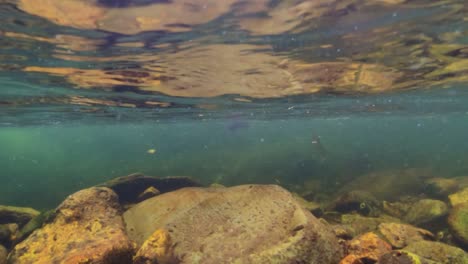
(88,228)
(242,224)
(425,211)
(19,215)
(148,193)
(367,247)
(3,255)
(34,224)
(440,187)
(392,184)
(361,224)
(400,235)
(458,223)
(396,209)
(438,252)
(128,188)
(459,197)
(402,257)
(8,233)
(357,201)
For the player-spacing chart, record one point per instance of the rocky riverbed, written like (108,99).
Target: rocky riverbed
(142,219)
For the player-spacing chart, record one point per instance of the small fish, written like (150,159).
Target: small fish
(151,151)
(319,148)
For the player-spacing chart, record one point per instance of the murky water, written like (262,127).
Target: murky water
(286,92)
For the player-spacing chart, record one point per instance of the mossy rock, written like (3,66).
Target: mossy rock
(128,188)
(458,222)
(19,215)
(425,211)
(440,187)
(361,202)
(459,197)
(34,224)
(438,252)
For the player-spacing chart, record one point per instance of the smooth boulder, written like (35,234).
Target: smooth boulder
(242,224)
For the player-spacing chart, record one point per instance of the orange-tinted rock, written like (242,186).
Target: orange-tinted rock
(351,259)
(87,228)
(242,224)
(368,246)
(158,248)
(401,235)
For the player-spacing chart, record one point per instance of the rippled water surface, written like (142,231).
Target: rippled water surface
(229,91)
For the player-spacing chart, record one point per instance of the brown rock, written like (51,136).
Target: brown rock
(368,247)
(157,247)
(400,235)
(3,255)
(243,224)
(87,228)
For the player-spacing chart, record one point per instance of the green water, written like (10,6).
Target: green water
(42,165)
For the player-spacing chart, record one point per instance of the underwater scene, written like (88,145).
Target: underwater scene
(234,131)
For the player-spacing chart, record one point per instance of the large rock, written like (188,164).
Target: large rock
(242,224)
(19,215)
(130,187)
(400,235)
(425,211)
(438,252)
(458,223)
(87,228)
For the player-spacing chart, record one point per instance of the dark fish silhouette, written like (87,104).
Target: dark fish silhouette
(237,125)
(319,148)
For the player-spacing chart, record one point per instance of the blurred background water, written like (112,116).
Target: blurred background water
(285,92)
